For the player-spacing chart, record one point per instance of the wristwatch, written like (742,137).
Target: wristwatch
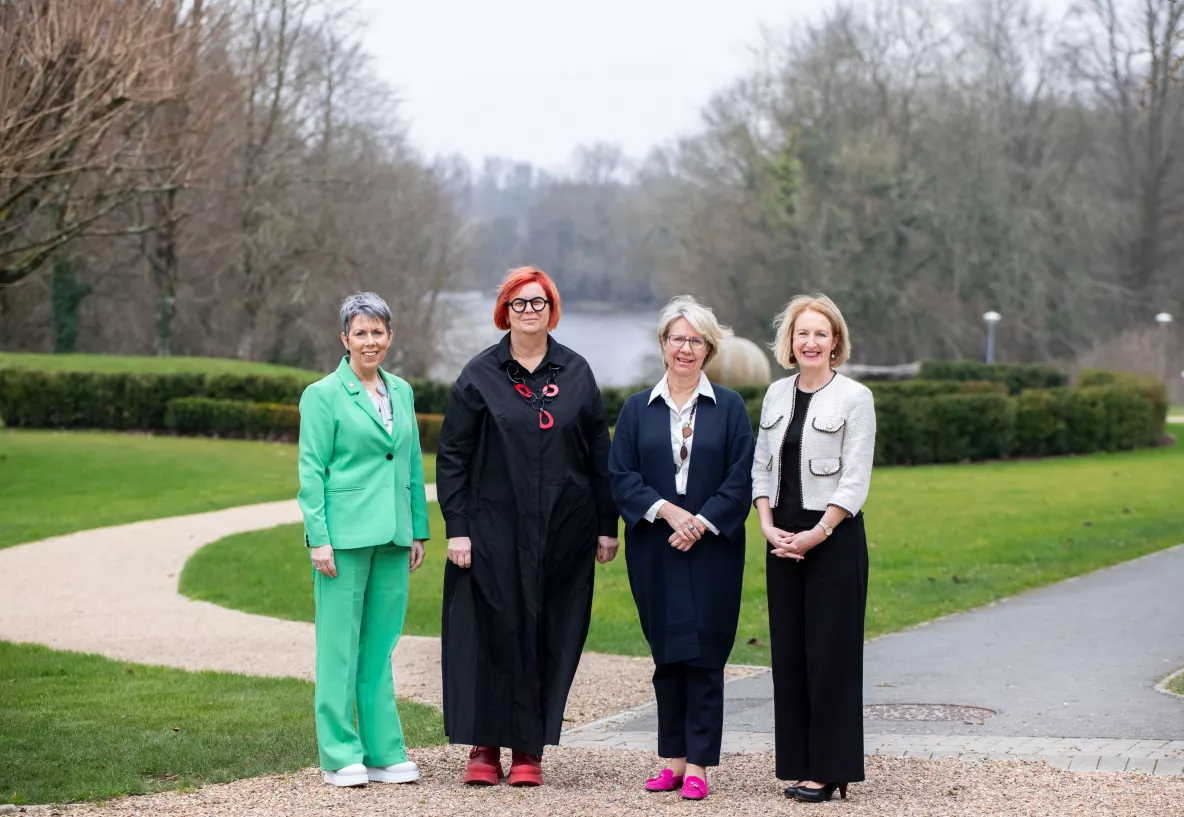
(827,529)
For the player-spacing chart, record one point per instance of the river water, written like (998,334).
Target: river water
(621,346)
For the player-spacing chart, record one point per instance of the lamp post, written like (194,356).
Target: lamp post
(991,318)
(1164,320)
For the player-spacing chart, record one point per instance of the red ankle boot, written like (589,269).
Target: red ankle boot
(485,766)
(526,770)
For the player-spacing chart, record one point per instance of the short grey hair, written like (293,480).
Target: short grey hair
(364,303)
(701,317)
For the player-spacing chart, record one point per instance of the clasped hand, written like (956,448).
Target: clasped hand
(687,528)
(788,545)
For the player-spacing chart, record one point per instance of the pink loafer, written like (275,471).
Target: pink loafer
(666,781)
(695,788)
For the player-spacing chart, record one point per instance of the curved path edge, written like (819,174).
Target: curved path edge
(113,591)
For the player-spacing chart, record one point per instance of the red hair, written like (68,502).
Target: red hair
(514,281)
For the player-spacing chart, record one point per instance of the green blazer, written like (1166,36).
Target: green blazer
(359,485)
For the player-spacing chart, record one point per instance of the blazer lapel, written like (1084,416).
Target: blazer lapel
(360,395)
(397,418)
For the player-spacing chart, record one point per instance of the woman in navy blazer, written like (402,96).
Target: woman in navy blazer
(680,468)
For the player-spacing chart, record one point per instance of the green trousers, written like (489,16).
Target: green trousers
(359,619)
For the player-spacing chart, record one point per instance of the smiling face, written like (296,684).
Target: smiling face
(684,360)
(366,343)
(813,341)
(529,322)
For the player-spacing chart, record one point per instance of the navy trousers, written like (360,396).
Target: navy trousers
(690,712)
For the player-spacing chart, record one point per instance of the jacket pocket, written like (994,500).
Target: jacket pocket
(826,466)
(344,490)
(768,424)
(829,423)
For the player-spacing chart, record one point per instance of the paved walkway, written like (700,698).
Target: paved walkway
(1068,671)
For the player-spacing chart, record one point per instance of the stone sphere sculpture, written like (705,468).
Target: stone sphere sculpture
(740,362)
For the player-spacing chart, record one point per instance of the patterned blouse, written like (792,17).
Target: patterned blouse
(382,404)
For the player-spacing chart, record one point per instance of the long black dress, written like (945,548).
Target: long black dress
(532,501)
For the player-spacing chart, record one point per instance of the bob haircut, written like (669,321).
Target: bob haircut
(701,317)
(514,281)
(365,304)
(783,344)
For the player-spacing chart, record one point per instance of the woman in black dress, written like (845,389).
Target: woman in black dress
(811,475)
(522,480)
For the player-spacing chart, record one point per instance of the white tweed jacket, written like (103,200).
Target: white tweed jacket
(838,445)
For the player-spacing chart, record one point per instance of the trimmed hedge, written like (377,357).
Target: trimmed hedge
(31,399)
(919,421)
(429,431)
(203,416)
(1017,376)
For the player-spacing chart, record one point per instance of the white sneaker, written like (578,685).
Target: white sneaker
(406,772)
(352,775)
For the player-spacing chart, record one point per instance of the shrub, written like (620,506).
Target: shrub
(919,421)
(1017,376)
(429,431)
(971,426)
(204,416)
(431,396)
(932,388)
(753,405)
(1042,422)
(613,398)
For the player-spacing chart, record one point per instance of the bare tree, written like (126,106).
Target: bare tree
(73,77)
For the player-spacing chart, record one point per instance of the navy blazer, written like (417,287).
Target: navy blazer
(688,602)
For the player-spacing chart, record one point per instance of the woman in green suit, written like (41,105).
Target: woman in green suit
(365,522)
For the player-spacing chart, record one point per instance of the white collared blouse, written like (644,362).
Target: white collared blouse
(678,419)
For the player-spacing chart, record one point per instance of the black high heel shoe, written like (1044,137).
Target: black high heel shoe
(808,795)
(792,791)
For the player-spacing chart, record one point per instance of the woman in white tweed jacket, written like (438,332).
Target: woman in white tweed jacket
(810,477)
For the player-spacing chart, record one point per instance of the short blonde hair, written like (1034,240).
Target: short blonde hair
(783,344)
(701,317)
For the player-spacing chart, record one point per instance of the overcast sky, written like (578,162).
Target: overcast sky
(532,79)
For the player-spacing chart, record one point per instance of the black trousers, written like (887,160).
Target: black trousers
(816,610)
(690,712)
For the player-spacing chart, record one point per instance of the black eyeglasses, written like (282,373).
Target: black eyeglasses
(536,304)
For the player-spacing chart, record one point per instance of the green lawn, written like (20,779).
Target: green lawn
(80,727)
(944,539)
(1176,411)
(55,482)
(143,363)
(1176,685)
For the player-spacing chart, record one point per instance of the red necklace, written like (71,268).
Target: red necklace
(538,402)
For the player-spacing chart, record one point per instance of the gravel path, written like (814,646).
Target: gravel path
(113,591)
(607,783)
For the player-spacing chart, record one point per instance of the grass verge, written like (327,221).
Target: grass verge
(943,539)
(110,364)
(81,727)
(57,482)
(1176,685)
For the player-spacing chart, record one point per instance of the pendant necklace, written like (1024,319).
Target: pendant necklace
(538,402)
